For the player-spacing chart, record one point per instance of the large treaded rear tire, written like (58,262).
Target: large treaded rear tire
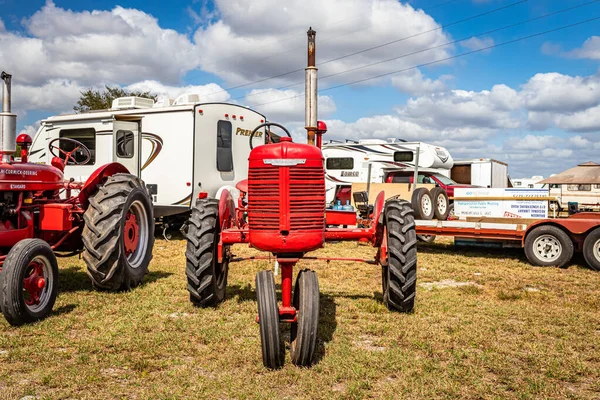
(109,265)
(207,279)
(399,276)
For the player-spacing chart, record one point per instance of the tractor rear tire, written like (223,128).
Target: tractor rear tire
(207,279)
(422,204)
(268,320)
(547,246)
(399,276)
(31,263)
(441,203)
(303,332)
(591,249)
(118,235)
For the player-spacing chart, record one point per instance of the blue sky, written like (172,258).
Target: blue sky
(527,103)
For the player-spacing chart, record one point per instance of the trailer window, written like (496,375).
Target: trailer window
(579,188)
(340,163)
(87,136)
(125,144)
(403,156)
(596,186)
(224,153)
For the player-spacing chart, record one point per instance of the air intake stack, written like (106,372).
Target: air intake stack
(8,121)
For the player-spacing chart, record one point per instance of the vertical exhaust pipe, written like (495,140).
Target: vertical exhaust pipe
(8,121)
(310,89)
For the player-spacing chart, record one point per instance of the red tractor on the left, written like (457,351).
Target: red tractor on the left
(109,219)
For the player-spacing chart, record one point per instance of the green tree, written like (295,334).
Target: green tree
(92,99)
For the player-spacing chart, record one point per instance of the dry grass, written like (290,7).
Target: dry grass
(514,331)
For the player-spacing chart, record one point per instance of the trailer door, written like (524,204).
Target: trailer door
(127,141)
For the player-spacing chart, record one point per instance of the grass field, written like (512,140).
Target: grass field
(486,325)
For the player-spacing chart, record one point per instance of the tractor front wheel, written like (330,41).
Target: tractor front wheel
(303,334)
(118,235)
(206,277)
(28,282)
(399,276)
(268,320)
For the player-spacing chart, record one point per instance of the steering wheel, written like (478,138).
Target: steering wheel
(267,124)
(69,154)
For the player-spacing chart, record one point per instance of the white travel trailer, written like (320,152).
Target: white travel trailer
(179,149)
(528,183)
(347,163)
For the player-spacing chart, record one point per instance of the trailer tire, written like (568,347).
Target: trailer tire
(268,320)
(118,235)
(422,204)
(206,278)
(591,249)
(451,215)
(548,245)
(303,333)
(399,276)
(442,205)
(18,267)
(426,238)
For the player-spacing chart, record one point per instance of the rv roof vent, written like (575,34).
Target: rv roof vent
(372,141)
(123,103)
(163,102)
(188,98)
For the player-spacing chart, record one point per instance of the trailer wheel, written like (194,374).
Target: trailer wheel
(118,235)
(422,203)
(28,282)
(548,245)
(206,277)
(268,320)
(591,249)
(451,215)
(399,276)
(440,200)
(303,335)
(426,238)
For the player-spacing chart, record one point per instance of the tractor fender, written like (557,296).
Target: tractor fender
(577,226)
(99,175)
(378,219)
(226,209)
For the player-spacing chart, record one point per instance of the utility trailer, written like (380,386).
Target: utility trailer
(547,242)
(483,172)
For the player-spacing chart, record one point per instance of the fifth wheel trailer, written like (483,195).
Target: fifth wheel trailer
(483,172)
(179,150)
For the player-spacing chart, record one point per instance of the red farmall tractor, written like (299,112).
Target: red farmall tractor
(281,210)
(110,221)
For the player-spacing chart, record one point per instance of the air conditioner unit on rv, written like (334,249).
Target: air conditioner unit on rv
(123,103)
(188,98)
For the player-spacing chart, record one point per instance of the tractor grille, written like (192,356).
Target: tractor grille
(306,188)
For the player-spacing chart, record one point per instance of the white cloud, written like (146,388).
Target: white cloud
(208,93)
(475,43)
(590,49)
(2,27)
(558,92)
(55,96)
(415,83)
(286,106)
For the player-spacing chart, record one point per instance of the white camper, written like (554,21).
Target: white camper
(178,148)
(347,163)
(483,172)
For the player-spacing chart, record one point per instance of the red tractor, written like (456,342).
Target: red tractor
(281,210)
(110,221)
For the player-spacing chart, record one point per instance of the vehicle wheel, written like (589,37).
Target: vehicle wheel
(207,279)
(422,204)
(451,215)
(268,320)
(303,334)
(399,276)
(426,238)
(591,249)
(440,200)
(28,282)
(548,245)
(118,234)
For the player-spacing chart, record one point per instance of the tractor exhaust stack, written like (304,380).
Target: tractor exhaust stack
(310,89)
(8,121)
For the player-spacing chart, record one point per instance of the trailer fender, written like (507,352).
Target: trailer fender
(226,218)
(99,175)
(577,226)
(378,223)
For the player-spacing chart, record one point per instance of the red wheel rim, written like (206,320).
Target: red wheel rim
(34,283)
(131,233)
